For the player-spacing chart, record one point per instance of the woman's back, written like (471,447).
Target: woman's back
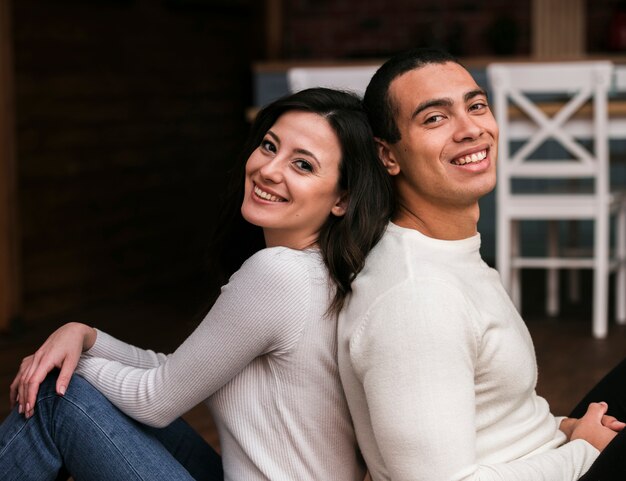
(265,361)
(284,416)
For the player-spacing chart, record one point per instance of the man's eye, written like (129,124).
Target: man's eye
(304,165)
(479,106)
(433,119)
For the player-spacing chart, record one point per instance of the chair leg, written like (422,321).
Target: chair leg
(573,274)
(600,277)
(620,280)
(552,274)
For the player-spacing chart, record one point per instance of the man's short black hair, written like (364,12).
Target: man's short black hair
(380,108)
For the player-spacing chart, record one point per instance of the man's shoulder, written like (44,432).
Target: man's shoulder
(400,269)
(398,258)
(388,264)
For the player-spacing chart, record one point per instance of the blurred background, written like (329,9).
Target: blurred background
(120,120)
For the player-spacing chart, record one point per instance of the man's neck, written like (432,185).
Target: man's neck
(439,223)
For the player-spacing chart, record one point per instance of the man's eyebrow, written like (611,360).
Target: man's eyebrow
(474,93)
(446,102)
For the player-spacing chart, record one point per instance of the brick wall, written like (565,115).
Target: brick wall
(129,113)
(377,28)
(344,29)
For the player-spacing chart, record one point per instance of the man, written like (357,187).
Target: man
(438,367)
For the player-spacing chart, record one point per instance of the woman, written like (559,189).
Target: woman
(264,357)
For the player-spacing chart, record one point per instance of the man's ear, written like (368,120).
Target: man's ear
(387,156)
(340,207)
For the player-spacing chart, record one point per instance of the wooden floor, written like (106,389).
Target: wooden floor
(570,360)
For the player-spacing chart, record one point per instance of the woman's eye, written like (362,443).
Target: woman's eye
(304,165)
(268,146)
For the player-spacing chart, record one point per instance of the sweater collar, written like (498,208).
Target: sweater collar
(468,246)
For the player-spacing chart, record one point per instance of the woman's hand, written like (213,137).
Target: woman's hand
(61,350)
(595,426)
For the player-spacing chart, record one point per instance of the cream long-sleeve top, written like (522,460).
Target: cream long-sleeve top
(440,371)
(264,360)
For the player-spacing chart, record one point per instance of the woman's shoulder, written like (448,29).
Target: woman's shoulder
(281,265)
(278,284)
(278,258)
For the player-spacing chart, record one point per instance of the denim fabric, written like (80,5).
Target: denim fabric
(83,433)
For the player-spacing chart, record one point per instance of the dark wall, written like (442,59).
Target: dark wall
(378,28)
(129,114)
(344,29)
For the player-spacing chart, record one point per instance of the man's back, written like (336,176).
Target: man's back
(439,369)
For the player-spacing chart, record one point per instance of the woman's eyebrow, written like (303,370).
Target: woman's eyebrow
(273,135)
(306,152)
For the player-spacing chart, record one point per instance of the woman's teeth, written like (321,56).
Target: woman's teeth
(266,195)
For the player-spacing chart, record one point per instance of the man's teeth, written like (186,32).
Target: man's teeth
(475,157)
(267,195)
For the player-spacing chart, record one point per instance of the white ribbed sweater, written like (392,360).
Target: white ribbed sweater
(440,371)
(264,359)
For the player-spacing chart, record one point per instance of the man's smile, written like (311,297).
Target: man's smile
(470,158)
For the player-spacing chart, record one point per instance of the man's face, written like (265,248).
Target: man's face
(446,156)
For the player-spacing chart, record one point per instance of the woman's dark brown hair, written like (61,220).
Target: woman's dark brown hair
(343,241)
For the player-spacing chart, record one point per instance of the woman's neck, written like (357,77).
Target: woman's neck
(287,239)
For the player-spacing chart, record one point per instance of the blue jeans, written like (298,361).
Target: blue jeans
(84,434)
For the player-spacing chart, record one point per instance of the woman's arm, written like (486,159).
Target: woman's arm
(261,310)
(108,347)
(62,350)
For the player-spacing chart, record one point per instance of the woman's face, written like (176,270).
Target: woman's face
(292,178)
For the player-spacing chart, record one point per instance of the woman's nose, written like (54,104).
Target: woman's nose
(272,170)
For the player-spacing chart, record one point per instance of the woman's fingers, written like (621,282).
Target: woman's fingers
(67,370)
(16,391)
(13,388)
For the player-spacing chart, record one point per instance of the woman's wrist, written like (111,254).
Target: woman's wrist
(89,335)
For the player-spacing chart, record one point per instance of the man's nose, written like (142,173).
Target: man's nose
(468,127)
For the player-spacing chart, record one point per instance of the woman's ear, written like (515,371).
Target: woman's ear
(387,157)
(340,207)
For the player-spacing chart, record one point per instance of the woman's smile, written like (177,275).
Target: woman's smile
(263,194)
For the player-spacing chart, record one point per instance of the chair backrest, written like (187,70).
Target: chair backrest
(352,78)
(564,103)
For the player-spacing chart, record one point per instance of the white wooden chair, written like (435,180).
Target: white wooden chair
(522,155)
(351,78)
